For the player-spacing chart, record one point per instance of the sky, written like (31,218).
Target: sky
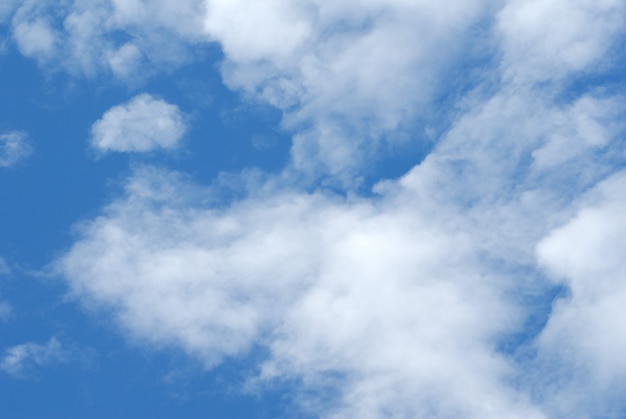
(312,209)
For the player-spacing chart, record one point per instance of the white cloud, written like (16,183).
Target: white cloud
(75,36)
(546,41)
(398,303)
(369,291)
(19,360)
(396,294)
(344,71)
(14,147)
(352,78)
(585,334)
(142,124)
(405,296)
(352,74)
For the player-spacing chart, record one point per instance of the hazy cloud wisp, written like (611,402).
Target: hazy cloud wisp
(14,147)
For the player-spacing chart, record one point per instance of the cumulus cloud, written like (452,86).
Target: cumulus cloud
(351,73)
(14,147)
(421,300)
(353,80)
(142,124)
(539,48)
(19,360)
(396,294)
(369,291)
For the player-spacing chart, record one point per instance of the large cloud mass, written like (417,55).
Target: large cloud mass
(431,296)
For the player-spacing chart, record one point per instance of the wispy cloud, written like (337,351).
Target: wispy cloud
(5,307)
(20,360)
(14,147)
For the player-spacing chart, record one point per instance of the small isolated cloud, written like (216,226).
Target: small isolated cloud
(140,125)
(19,359)
(34,38)
(14,146)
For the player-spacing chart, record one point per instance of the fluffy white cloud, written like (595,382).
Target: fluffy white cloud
(369,291)
(20,359)
(545,41)
(396,294)
(142,124)
(355,75)
(352,78)
(352,74)
(14,147)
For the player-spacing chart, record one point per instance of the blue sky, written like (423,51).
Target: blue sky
(372,209)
